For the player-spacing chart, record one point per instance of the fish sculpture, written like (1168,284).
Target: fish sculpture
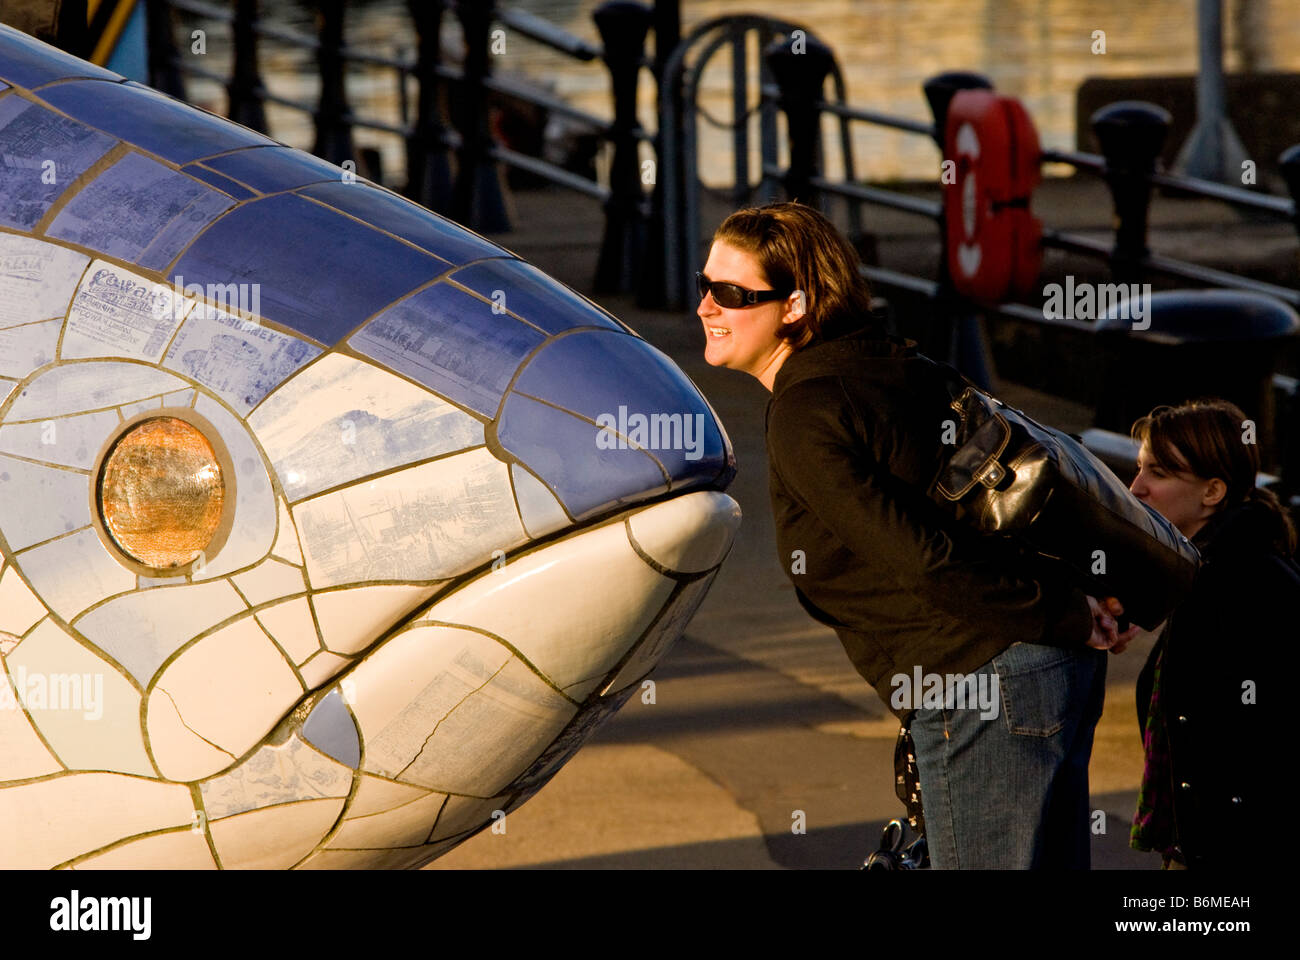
(329,529)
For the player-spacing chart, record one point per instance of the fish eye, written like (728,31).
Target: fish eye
(161,495)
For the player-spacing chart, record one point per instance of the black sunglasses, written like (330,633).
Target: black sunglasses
(733,295)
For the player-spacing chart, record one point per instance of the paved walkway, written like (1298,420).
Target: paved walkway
(759,724)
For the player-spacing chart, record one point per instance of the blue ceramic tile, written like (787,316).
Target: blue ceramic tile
(29,136)
(538,508)
(183,228)
(408,220)
(527,292)
(452,343)
(272,169)
(329,728)
(128,206)
(27,62)
(617,375)
(220,181)
(564,451)
(173,130)
(319,273)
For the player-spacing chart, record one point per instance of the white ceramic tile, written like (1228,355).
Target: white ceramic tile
(69,441)
(181,398)
(231,687)
(322,667)
(404,826)
(666,630)
(119,313)
(351,620)
(404,859)
(38,503)
(411,682)
(273,838)
(430,522)
(451,710)
(488,740)
(465,813)
(129,410)
(342,419)
(241,361)
(286,539)
(19,608)
(270,580)
(180,753)
(541,512)
(255,506)
(7,387)
(44,823)
(79,387)
(687,534)
(141,630)
(282,773)
(291,626)
(87,712)
(179,850)
(23,349)
(573,608)
(375,795)
(22,754)
(74,572)
(37,279)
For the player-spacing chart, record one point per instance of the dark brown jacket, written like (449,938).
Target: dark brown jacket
(854,430)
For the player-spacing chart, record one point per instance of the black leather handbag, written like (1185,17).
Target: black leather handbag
(1011,476)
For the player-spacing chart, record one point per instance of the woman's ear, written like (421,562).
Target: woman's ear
(1215,491)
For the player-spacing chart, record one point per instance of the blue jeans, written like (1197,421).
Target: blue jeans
(1011,792)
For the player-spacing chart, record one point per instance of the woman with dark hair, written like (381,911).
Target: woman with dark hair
(1196,696)
(854,429)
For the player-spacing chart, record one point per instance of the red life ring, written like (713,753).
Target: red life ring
(993,239)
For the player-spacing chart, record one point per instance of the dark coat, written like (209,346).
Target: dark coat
(854,432)
(1217,645)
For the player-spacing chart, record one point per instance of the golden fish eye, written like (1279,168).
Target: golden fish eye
(162,493)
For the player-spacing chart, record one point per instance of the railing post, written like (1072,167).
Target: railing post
(623,25)
(244,90)
(428,172)
(653,289)
(1131,134)
(956,332)
(800,66)
(333,132)
(1289,161)
(163,73)
(477,200)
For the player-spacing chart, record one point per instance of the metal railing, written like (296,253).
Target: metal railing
(452,167)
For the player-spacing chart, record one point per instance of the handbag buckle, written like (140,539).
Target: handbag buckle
(991,474)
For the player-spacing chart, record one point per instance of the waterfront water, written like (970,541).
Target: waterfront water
(1037,50)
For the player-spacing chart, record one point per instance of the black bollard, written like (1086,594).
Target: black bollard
(333,132)
(477,200)
(245,86)
(163,74)
(428,170)
(1289,161)
(652,290)
(1131,134)
(941,88)
(800,64)
(623,25)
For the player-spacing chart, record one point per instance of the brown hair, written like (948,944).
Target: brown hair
(798,248)
(1204,438)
